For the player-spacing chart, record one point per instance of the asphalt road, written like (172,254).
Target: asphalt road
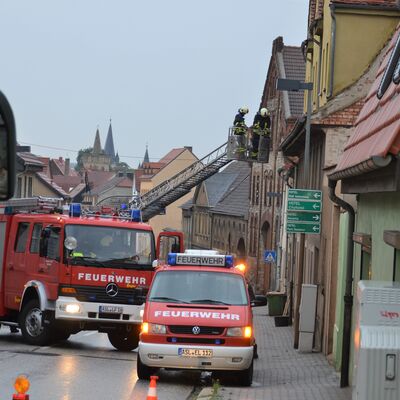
(86,367)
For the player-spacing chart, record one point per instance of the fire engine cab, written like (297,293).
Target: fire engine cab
(60,274)
(198,316)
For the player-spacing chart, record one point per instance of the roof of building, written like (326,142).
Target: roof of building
(51,184)
(295,68)
(171,155)
(67,183)
(235,200)
(146,158)
(97,144)
(30,159)
(115,181)
(377,129)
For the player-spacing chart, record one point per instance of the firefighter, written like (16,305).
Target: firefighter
(261,127)
(240,131)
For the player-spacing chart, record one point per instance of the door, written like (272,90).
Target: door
(168,242)
(49,259)
(15,268)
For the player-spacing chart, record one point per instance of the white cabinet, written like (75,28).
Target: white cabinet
(308,306)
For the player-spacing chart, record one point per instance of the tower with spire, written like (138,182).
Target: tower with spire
(109,147)
(97,159)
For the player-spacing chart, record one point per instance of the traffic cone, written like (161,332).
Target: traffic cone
(152,393)
(21,385)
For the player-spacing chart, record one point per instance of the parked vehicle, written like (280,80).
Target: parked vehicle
(64,273)
(198,316)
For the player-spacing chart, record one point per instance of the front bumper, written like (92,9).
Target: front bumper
(222,358)
(90,312)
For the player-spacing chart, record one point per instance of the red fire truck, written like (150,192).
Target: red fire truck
(60,274)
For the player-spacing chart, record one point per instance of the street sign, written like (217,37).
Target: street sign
(300,227)
(306,205)
(270,256)
(298,216)
(301,194)
(304,209)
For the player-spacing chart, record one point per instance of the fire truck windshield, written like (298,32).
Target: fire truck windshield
(198,287)
(110,247)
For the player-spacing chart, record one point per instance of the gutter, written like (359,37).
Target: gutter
(296,132)
(368,7)
(373,163)
(348,296)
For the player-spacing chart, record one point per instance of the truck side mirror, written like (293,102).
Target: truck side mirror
(259,301)
(7,149)
(44,240)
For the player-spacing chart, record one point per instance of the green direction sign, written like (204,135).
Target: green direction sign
(300,227)
(309,205)
(301,194)
(297,216)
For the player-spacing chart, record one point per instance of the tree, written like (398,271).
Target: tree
(79,161)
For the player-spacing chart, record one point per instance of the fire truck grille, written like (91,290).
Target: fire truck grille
(195,340)
(98,295)
(188,330)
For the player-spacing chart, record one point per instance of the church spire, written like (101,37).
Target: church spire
(109,147)
(146,155)
(97,144)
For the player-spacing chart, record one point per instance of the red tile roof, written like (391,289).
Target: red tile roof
(377,129)
(171,155)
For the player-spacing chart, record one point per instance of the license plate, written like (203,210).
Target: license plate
(110,309)
(195,352)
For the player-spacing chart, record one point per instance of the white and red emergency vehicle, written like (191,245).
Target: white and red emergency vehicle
(198,316)
(60,274)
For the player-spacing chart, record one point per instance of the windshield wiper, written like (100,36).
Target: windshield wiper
(209,301)
(88,259)
(170,299)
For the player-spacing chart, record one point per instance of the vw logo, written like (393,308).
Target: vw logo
(112,289)
(196,330)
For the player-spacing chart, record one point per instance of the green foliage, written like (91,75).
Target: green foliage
(79,162)
(121,166)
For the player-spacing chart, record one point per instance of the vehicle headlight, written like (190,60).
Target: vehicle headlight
(155,329)
(70,308)
(240,331)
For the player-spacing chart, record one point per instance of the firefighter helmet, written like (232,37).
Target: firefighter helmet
(243,110)
(264,112)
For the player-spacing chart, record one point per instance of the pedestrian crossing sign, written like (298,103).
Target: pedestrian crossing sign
(270,256)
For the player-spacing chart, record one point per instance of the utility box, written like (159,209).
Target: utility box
(376,370)
(308,305)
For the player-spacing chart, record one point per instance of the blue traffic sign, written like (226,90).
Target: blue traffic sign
(270,256)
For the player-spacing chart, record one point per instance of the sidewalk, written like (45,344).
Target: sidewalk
(282,373)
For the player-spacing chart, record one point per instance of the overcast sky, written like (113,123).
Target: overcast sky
(169,73)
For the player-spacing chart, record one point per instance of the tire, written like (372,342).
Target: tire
(32,324)
(245,377)
(143,371)
(125,340)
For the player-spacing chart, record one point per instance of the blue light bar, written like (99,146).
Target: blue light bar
(206,260)
(75,210)
(136,215)
(171,258)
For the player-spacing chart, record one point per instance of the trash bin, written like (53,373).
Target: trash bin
(276,303)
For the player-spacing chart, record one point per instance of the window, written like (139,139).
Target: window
(19,187)
(396,265)
(257,190)
(30,187)
(22,236)
(35,242)
(366,270)
(53,243)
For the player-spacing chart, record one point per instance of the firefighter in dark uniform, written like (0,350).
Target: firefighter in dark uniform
(261,127)
(240,131)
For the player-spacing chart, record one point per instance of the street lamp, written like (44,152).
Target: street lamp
(293,85)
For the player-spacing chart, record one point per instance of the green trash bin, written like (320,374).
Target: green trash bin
(276,303)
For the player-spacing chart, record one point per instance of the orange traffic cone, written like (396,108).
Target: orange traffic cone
(152,393)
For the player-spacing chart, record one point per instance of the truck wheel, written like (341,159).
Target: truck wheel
(143,371)
(125,340)
(245,377)
(32,324)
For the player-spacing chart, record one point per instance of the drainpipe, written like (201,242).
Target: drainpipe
(348,296)
(333,46)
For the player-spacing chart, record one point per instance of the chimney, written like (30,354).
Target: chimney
(66,170)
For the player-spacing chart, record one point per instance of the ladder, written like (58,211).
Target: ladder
(155,200)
